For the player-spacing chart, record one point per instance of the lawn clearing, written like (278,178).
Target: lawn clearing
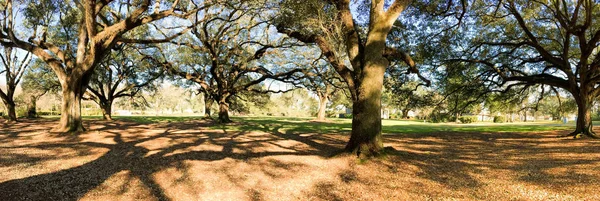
(293,159)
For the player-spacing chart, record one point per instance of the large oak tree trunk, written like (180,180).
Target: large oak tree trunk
(224,112)
(366,139)
(322,107)
(12,114)
(584,117)
(207,105)
(106,107)
(70,119)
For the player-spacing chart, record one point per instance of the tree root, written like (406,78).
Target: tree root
(68,129)
(224,121)
(580,134)
(365,151)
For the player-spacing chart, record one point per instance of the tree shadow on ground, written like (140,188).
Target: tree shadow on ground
(453,160)
(127,153)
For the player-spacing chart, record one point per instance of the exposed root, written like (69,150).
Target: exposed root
(580,134)
(365,150)
(224,121)
(593,135)
(68,129)
(572,134)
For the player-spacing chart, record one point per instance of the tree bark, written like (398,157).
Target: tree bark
(322,107)
(456,117)
(584,117)
(106,107)
(70,119)
(207,105)
(224,112)
(12,114)
(405,113)
(9,101)
(366,139)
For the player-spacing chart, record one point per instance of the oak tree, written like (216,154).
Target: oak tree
(230,46)
(125,72)
(72,37)
(318,22)
(550,43)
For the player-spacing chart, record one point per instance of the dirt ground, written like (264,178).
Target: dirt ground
(188,161)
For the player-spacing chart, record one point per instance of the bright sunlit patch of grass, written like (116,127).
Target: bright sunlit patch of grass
(337,125)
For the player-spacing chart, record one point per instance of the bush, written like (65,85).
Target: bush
(467,119)
(499,119)
(47,113)
(440,118)
(21,112)
(595,116)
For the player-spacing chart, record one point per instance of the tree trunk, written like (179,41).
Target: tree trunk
(12,114)
(366,139)
(207,105)
(224,112)
(456,116)
(405,113)
(584,118)
(106,107)
(70,119)
(31,107)
(322,107)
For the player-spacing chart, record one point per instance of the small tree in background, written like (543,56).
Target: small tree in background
(123,73)
(38,81)
(13,67)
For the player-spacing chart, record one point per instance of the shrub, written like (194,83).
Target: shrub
(328,113)
(21,112)
(595,116)
(467,119)
(499,119)
(440,118)
(47,113)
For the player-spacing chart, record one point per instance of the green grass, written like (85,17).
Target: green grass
(301,125)
(334,125)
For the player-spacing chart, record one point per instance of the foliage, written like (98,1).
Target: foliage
(125,72)
(558,106)
(247,103)
(230,52)
(499,119)
(440,117)
(467,119)
(404,93)
(296,103)
(40,79)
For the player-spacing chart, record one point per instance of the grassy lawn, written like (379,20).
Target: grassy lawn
(334,125)
(304,125)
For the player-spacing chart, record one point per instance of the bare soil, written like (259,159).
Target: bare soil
(188,161)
